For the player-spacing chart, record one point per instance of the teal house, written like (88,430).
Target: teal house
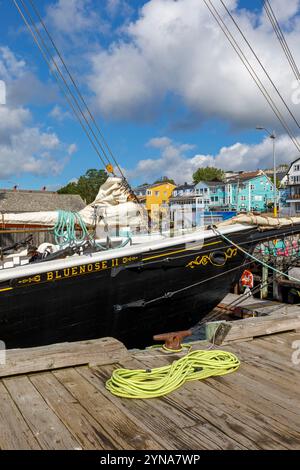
(248,192)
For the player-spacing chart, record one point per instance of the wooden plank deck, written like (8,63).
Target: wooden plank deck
(68,406)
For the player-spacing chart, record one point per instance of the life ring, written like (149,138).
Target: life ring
(247,279)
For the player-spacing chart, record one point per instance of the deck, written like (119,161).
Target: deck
(55,398)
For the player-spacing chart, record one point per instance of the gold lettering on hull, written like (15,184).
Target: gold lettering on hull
(75,271)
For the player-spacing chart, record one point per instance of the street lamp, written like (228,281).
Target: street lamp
(272,136)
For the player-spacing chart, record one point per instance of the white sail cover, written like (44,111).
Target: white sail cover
(260,220)
(111,208)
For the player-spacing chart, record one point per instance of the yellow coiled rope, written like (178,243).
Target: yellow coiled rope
(152,383)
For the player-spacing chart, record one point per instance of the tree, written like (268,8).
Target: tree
(165,179)
(87,185)
(208,173)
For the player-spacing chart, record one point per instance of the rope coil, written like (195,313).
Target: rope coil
(66,227)
(196,365)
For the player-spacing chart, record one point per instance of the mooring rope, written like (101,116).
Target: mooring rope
(152,383)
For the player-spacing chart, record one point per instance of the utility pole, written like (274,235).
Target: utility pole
(272,136)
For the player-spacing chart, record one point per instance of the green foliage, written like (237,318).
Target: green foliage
(87,185)
(208,173)
(277,181)
(165,179)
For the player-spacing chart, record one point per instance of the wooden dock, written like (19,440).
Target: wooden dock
(55,398)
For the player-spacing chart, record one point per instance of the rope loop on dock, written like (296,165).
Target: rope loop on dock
(196,365)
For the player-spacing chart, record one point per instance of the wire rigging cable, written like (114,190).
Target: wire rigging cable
(69,88)
(56,72)
(260,63)
(82,99)
(251,71)
(281,38)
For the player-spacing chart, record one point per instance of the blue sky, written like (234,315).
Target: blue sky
(167,90)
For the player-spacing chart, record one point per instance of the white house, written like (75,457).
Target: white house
(293,188)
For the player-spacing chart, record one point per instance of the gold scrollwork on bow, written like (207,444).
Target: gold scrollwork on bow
(204,260)
(30,280)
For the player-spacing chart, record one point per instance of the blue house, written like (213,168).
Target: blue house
(248,192)
(210,194)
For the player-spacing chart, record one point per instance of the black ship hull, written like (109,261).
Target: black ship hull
(130,297)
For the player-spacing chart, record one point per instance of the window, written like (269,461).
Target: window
(296,167)
(165,193)
(243,198)
(216,198)
(252,186)
(156,193)
(205,190)
(149,192)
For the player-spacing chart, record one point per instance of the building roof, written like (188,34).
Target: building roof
(245,176)
(292,163)
(211,183)
(186,197)
(215,183)
(162,183)
(185,186)
(36,201)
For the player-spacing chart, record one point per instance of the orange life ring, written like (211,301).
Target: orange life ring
(247,279)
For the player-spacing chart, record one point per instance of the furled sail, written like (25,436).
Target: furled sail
(112,208)
(260,220)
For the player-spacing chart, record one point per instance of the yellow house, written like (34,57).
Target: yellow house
(158,194)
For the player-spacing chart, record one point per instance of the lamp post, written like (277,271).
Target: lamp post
(272,136)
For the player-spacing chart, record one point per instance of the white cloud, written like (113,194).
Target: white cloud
(174,162)
(28,149)
(24,146)
(72,149)
(59,114)
(175,48)
(159,142)
(72,16)
(22,85)
(118,7)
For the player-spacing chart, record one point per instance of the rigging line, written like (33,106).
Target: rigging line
(279,33)
(75,85)
(260,63)
(52,59)
(169,295)
(251,71)
(58,81)
(125,182)
(281,39)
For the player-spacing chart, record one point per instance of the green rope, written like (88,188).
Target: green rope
(65,230)
(157,382)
